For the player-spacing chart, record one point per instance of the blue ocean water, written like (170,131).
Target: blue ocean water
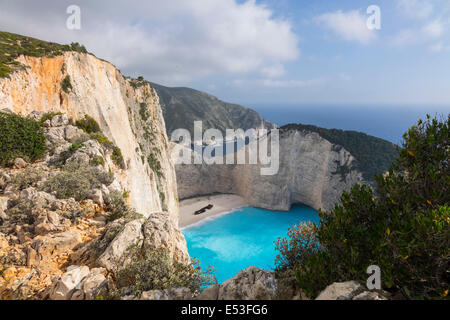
(387,122)
(243,238)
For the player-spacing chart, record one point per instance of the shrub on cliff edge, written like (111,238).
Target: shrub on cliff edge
(155,270)
(20,137)
(404,227)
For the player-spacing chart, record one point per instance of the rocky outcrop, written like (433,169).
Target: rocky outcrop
(349,291)
(43,230)
(80,283)
(312,171)
(249,284)
(129,114)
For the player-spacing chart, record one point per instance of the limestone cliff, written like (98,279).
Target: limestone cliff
(312,171)
(127,111)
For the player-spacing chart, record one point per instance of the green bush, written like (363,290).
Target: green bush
(20,137)
(88,125)
(119,209)
(66,85)
(143,111)
(102,139)
(98,161)
(155,165)
(30,177)
(404,227)
(117,157)
(76,180)
(154,270)
(49,116)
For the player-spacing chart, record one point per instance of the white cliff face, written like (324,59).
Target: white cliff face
(312,171)
(100,90)
(128,112)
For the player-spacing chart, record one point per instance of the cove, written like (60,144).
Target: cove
(243,238)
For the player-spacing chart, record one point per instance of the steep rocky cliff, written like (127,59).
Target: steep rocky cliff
(128,113)
(72,85)
(312,171)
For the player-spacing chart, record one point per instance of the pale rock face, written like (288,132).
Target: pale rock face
(308,174)
(114,256)
(79,283)
(249,284)
(100,91)
(350,290)
(117,104)
(66,284)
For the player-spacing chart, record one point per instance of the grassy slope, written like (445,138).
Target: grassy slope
(13,45)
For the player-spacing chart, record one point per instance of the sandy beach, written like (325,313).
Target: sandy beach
(222,203)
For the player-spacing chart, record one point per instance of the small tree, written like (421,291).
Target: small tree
(20,137)
(403,227)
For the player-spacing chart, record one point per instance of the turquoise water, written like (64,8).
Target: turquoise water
(243,238)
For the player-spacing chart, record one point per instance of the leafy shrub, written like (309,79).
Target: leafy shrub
(49,116)
(75,46)
(404,228)
(20,137)
(88,125)
(119,208)
(117,157)
(76,180)
(98,161)
(143,111)
(155,165)
(102,139)
(30,177)
(66,85)
(154,270)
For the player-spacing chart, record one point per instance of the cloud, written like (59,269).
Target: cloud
(273,71)
(416,9)
(171,42)
(349,26)
(433,29)
(291,83)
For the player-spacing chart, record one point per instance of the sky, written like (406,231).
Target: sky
(266,51)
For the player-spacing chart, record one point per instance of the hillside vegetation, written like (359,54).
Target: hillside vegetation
(182,106)
(374,155)
(13,46)
(403,226)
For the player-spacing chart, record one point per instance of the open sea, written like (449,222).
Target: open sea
(387,122)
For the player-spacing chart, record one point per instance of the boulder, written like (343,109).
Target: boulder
(60,120)
(93,285)
(160,232)
(168,294)
(96,196)
(72,133)
(370,295)
(249,284)
(65,285)
(47,246)
(19,163)
(210,293)
(3,208)
(114,257)
(341,291)
(55,136)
